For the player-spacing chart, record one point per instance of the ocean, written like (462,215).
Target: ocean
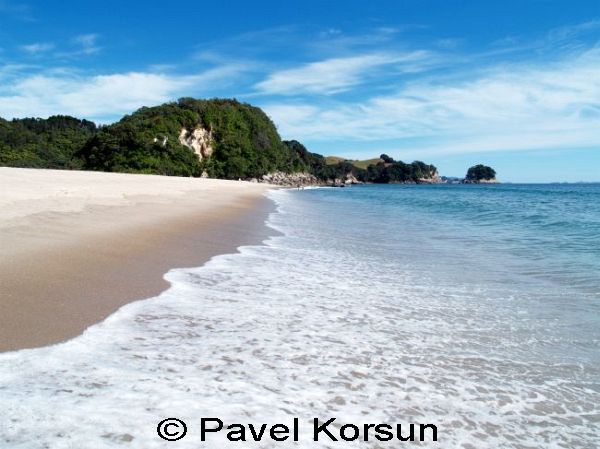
(472,308)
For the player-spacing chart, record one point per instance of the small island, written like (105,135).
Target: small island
(480,174)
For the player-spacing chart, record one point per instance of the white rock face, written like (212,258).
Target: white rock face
(199,140)
(290,179)
(435,179)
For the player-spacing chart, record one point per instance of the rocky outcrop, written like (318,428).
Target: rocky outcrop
(200,140)
(349,179)
(306,179)
(291,179)
(480,181)
(434,179)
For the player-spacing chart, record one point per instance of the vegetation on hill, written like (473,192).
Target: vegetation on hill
(386,159)
(332,160)
(391,171)
(364,164)
(244,143)
(40,143)
(317,165)
(382,170)
(479,173)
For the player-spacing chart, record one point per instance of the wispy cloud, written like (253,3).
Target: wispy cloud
(37,48)
(81,45)
(339,42)
(509,107)
(87,42)
(103,98)
(95,96)
(337,74)
(570,32)
(18,10)
(557,41)
(360,90)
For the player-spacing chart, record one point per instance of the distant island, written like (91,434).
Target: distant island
(480,174)
(385,170)
(218,138)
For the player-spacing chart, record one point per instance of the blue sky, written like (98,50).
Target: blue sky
(513,84)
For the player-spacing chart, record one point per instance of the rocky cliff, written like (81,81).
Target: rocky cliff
(433,179)
(199,140)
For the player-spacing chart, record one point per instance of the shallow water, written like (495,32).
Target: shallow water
(473,308)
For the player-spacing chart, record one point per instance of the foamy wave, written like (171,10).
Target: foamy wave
(295,328)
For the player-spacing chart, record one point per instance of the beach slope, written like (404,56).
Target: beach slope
(75,246)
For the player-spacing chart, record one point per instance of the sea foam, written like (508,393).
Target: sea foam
(307,327)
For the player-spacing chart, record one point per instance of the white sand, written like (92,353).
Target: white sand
(75,246)
(24,192)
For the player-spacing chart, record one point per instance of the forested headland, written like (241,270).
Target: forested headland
(219,138)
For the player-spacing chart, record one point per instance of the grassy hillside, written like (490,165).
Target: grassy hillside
(333,160)
(365,164)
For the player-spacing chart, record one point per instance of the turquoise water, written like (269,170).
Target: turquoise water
(552,232)
(474,308)
(537,245)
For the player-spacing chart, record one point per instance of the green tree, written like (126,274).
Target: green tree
(480,172)
(43,143)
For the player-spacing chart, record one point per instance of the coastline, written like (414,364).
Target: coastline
(76,246)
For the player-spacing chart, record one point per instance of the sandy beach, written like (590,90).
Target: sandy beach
(75,246)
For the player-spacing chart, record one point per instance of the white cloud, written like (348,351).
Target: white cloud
(84,44)
(87,42)
(509,106)
(86,39)
(506,108)
(87,97)
(101,98)
(16,9)
(37,47)
(337,74)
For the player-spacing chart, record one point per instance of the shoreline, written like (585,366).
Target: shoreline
(79,245)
